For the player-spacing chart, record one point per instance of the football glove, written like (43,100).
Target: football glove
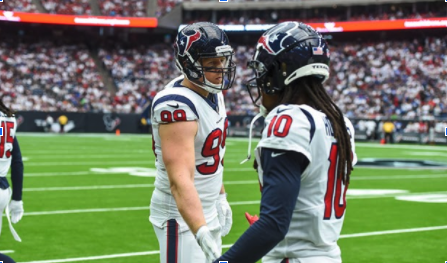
(207,244)
(16,210)
(251,219)
(224,214)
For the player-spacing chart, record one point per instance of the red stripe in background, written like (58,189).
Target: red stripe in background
(78,20)
(373,25)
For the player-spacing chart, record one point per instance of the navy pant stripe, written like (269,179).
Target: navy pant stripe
(172,241)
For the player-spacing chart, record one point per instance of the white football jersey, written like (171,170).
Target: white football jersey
(9,127)
(320,208)
(178,103)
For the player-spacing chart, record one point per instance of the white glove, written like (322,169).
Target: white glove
(207,243)
(224,214)
(16,210)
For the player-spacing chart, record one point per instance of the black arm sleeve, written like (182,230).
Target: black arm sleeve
(281,185)
(16,171)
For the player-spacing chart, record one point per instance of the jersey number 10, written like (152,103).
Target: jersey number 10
(334,183)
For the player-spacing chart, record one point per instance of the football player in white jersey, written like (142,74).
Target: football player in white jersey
(10,156)
(305,156)
(189,210)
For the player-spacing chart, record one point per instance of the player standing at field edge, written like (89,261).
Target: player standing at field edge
(10,156)
(305,155)
(189,208)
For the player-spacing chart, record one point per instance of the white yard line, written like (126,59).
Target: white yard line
(95,187)
(397,146)
(398,177)
(248,169)
(90,156)
(236,203)
(98,163)
(113,209)
(154,252)
(124,255)
(57,174)
(6,251)
(396,231)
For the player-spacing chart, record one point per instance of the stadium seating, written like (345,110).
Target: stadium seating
(46,77)
(19,6)
(67,7)
(123,7)
(405,79)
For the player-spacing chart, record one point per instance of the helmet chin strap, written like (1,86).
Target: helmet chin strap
(262,113)
(215,88)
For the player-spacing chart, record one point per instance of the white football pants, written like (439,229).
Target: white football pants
(5,197)
(182,247)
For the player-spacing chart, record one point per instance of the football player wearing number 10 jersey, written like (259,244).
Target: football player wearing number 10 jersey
(189,210)
(305,156)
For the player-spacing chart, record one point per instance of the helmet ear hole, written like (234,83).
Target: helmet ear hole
(190,71)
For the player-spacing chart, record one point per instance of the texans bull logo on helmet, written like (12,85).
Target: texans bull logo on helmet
(185,42)
(275,41)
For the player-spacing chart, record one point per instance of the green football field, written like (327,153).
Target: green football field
(87,200)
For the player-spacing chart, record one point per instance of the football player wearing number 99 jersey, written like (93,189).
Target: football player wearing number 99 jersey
(10,156)
(305,156)
(189,210)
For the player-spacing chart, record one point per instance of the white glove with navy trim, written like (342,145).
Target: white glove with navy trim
(207,243)
(224,214)
(16,210)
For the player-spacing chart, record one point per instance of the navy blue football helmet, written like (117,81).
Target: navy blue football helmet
(284,53)
(204,40)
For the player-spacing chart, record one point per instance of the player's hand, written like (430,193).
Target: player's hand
(251,219)
(16,210)
(224,214)
(207,243)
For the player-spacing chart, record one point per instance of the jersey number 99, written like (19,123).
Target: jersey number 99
(211,148)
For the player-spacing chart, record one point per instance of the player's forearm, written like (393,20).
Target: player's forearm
(188,204)
(16,172)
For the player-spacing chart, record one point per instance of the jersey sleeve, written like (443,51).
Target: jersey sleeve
(289,129)
(173,108)
(351,132)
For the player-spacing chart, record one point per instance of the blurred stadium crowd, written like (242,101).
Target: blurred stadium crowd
(404,78)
